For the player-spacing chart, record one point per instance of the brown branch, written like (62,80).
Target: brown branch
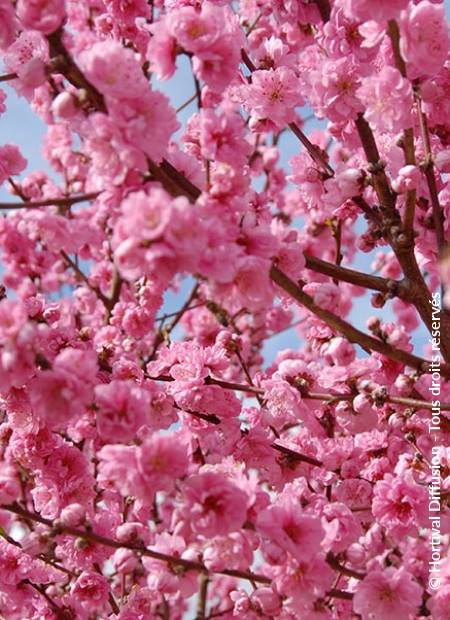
(168,184)
(394,35)
(59,612)
(111,599)
(91,536)
(408,134)
(346,596)
(248,62)
(401,243)
(292,454)
(428,168)
(395,288)
(202,597)
(50,202)
(247,374)
(254,24)
(296,456)
(8,76)
(351,333)
(371,214)
(324,9)
(329,397)
(68,67)
(169,315)
(413,403)
(115,294)
(337,566)
(314,151)
(239,387)
(379,178)
(82,276)
(189,189)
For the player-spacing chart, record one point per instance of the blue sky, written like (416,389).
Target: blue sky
(20,126)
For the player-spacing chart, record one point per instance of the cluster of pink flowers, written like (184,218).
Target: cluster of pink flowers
(194,458)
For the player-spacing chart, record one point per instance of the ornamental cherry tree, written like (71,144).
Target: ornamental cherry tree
(155,464)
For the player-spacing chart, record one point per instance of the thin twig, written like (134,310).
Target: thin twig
(327,397)
(162,334)
(351,333)
(395,288)
(408,134)
(81,275)
(186,103)
(314,151)
(428,168)
(202,596)
(337,566)
(50,202)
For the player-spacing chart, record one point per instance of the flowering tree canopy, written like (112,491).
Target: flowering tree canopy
(154,464)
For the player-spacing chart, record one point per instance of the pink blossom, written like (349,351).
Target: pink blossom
(438,603)
(161,51)
(43,15)
(9,484)
(340,351)
(160,462)
(408,179)
(399,504)
(442,161)
(161,577)
(196,31)
(283,402)
(90,590)
(424,37)
(303,581)
(214,505)
(388,100)
(168,406)
(2,101)
(62,480)
(265,600)
(118,469)
(299,534)
(217,66)
(252,283)
(26,57)
(341,527)
(220,138)
(230,551)
(147,115)
(14,564)
(65,384)
(11,162)
(8,24)
(272,95)
(64,105)
(387,594)
(146,215)
(113,69)
(73,515)
(122,410)
(334,88)
(364,10)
